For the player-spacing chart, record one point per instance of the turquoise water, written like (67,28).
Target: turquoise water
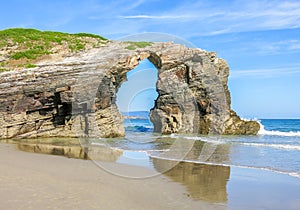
(282,125)
(275,148)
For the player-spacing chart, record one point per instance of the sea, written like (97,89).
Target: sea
(276,147)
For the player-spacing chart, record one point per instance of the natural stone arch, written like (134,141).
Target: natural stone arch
(175,109)
(190,84)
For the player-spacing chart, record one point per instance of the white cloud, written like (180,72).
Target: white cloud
(135,4)
(219,18)
(190,19)
(294,45)
(157,16)
(279,47)
(184,18)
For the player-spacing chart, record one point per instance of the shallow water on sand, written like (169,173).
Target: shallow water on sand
(243,172)
(276,148)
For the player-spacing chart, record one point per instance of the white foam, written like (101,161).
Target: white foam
(207,140)
(276,146)
(150,151)
(106,146)
(247,120)
(262,131)
(295,174)
(212,140)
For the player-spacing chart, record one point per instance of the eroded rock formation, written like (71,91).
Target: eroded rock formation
(76,97)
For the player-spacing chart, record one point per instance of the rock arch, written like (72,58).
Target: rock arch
(192,87)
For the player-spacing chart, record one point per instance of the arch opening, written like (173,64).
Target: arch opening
(137,95)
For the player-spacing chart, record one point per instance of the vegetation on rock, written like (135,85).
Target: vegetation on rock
(22,48)
(134,45)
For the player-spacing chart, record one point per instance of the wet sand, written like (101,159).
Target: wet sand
(259,189)
(39,181)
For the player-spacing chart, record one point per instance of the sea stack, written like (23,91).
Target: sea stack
(74,95)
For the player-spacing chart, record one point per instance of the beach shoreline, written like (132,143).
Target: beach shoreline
(39,181)
(35,181)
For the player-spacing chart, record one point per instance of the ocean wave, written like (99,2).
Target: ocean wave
(276,146)
(138,125)
(139,128)
(98,144)
(247,120)
(218,141)
(262,131)
(106,146)
(212,140)
(278,133)
(293,173)
(148,152)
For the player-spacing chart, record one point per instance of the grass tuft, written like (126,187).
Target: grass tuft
(134,45)
(30,65)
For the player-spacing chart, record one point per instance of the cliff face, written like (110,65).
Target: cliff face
(76,96)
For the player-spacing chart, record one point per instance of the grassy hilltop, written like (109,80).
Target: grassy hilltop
(22,48)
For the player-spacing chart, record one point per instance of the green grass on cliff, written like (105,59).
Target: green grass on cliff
(31,37)
(134,45)
(23,47)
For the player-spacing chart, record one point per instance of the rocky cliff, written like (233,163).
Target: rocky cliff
(75,96)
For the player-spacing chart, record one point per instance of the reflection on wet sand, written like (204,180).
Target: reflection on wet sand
(205,182)
(202,181)
(71,148)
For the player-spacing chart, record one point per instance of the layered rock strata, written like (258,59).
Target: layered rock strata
(76,97)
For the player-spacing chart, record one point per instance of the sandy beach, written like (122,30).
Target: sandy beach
(39,181)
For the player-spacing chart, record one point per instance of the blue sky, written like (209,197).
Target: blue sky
(139,92)
(260,39)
